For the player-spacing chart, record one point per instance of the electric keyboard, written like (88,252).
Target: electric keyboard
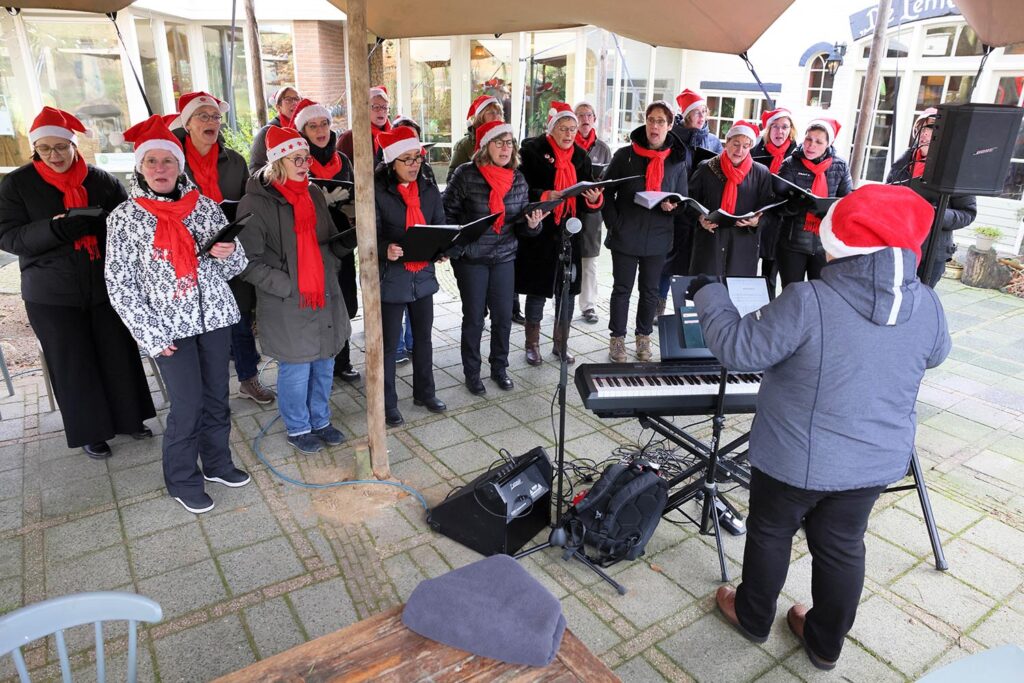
(669,388)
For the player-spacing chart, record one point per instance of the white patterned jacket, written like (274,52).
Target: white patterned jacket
(142,288)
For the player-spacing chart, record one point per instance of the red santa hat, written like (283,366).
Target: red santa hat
(481,103)
(397,141)
(876,217)
(748,128)
(830,126)
(689,100)
(770,117)
(380,91)
(307,110)
(152,133)
(283,141)
(490,131)
(191,101)
(559,110)
(55,123)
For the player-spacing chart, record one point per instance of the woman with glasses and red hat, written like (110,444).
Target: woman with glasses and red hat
(484,109)
(93,362)
(286,98)
(485,269)
(778,140)
(962,209)
(734,182)
(175,300)
(815,167)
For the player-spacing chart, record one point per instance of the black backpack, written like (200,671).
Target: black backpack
(618,516)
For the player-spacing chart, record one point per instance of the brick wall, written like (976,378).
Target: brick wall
(320,61)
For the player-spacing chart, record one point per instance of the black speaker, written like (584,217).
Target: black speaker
(502,509)
(971,148)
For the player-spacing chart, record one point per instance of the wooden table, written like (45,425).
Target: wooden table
(381,648)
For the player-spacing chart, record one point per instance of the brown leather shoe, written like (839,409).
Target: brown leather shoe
(726,599)
(560,343)
(795,618)
(533,356)
(253,389)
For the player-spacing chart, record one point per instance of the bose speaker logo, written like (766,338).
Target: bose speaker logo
(987,150)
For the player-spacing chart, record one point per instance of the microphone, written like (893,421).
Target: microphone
(573,225)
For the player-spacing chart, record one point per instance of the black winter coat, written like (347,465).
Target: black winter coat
(692,138)
(961,212)
(52,271)
(466,199)
(398,285)
(341,215)
(258,152)
(632,229)
(770,221)
(537,259)
(727,251)
(792,235)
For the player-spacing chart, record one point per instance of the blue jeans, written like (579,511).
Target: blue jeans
(243,348)
(303,393)
(405,339)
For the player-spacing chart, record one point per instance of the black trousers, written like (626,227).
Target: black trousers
(485,288)
(95,370)
(421,319)
(835,522)
(534,309)
(793,265)
(199,422)
(349,293)
(770,271)
(624,272)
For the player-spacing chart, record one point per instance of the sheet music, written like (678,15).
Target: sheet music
(748,294)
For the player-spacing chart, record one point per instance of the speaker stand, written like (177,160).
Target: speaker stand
(925,269)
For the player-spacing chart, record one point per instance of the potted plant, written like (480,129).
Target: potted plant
(954,269)
(984,236)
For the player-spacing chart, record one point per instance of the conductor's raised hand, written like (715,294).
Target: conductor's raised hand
(394,252)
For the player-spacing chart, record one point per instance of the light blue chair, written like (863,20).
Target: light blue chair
(22,626)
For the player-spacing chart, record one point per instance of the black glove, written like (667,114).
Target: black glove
(70,228)
(696,284)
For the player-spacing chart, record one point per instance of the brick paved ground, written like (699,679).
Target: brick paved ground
(274,564)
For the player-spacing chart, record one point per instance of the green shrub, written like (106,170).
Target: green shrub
(988,231)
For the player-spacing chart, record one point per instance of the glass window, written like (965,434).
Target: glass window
(721,114)
(893,49)
(181,67)
(490,71)
(877,152)
(968,44)
(390,60)
(217,45)
(819,84)
(150,73)
(430,63)
(1011,91)
(636,66)
(78,64)
(278,60)
(14,146)
(935,89)
(551,70)
(938,41)
(1015,49)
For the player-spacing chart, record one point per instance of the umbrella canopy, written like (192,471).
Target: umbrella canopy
(997,22)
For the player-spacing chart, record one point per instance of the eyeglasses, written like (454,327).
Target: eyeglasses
(291,99)
(657,122)
(299,161)
(780,126)
(379,107)
(154,163)
(566,129)
(586,115)
(207,118)
(509,144)
(413,161)
(46,150)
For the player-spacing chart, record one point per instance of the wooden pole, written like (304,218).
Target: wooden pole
(366,235)
(252,46)
(870,93)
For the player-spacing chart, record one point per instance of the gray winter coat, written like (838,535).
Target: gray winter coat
(599,153)
(843,358)
(289,332)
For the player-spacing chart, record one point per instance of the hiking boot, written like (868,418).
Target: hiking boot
(253,389)
(617,349)
(643,347)
(560,343)
(533,356)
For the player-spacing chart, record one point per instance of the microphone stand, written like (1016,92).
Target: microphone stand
(558,538)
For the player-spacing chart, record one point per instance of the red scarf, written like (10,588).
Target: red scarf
(565,176)
(819,188)
(655,165)
(410,193)
(375,131)
(75,197)
(734,175)
(204,169)
(310,262)
(778,155)
(500,181)
(586,142)
(325,171)
(172,241)
(285,121)
(917,166)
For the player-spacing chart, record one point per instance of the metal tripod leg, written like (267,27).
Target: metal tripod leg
(579,556)
(926,508)
(709,512)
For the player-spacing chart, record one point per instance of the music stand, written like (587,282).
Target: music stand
(558,536)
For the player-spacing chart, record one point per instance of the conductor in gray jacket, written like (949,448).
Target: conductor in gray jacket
(843,358)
